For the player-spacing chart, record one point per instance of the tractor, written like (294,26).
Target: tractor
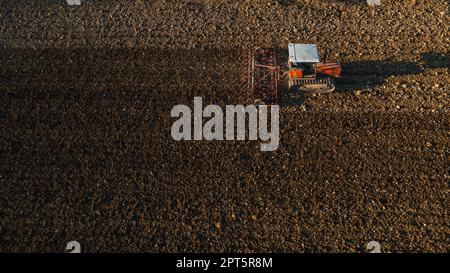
(304,73)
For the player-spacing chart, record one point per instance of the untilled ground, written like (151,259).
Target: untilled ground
(86,151)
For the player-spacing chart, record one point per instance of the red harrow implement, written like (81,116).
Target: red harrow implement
(263,75)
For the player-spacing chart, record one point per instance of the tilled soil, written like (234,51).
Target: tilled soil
(87,155)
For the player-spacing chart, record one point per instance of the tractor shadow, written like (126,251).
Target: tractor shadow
(285,3)
(288,3)
(348,2)
(365,75)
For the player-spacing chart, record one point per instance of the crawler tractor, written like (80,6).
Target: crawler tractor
(305,73)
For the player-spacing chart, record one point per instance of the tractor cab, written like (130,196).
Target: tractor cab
(302,60)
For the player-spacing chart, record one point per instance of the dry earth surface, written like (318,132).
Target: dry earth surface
(86,151)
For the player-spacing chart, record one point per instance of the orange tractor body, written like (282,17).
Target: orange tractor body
(330,69)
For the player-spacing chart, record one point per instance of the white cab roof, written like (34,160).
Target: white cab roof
(303,53)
